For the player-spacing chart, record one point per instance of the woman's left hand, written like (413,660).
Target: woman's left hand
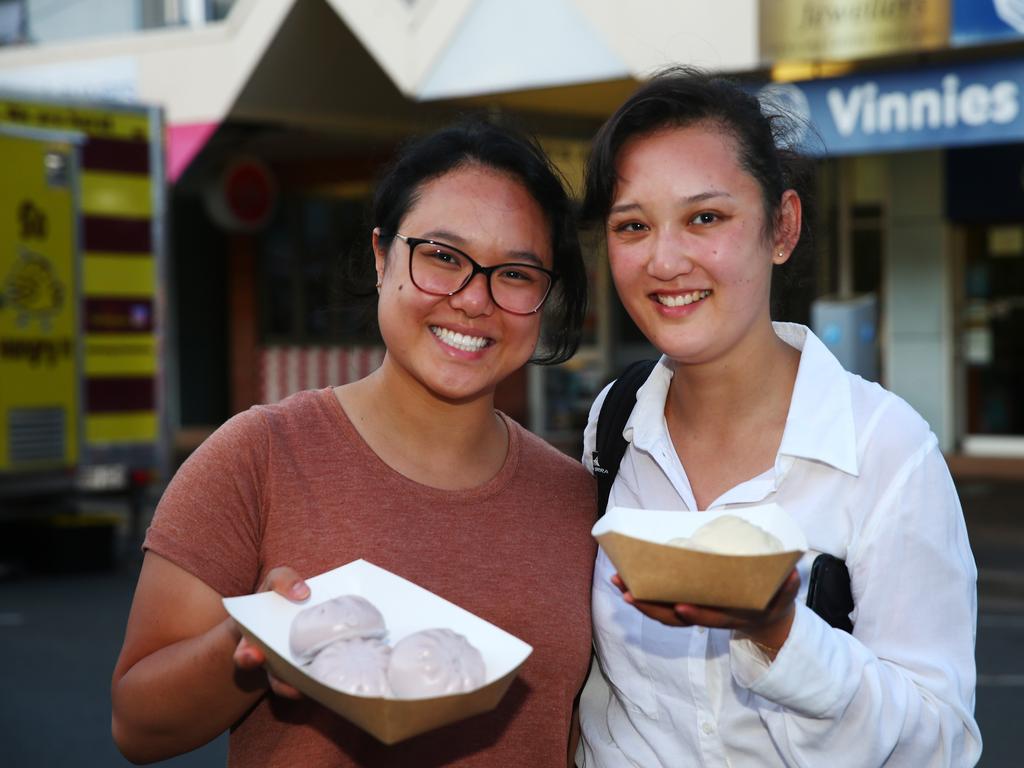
(768,628)
(286,582)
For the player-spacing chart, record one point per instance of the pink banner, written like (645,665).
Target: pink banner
(184,141)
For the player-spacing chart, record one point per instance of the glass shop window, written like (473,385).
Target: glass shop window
(993,330)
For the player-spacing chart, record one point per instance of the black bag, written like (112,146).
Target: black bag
(828,591)
(610,446)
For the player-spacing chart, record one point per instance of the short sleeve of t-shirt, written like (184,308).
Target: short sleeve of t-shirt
(209,518)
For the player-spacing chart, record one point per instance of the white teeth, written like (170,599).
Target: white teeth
(459,340)
(682,300)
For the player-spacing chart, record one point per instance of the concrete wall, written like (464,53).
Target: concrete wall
(918,301)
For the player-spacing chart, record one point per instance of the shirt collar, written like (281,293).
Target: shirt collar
(819,425)
(646,426)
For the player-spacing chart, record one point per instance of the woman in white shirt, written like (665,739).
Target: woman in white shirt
(699,208)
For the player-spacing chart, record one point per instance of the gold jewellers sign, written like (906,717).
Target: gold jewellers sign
(849,29)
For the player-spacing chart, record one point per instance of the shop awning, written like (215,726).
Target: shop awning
(377,66)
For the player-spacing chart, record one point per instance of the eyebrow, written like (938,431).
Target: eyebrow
(450,238)
(700,197)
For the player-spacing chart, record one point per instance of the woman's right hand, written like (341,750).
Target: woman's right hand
(178,682)
(287,583)
(768,628)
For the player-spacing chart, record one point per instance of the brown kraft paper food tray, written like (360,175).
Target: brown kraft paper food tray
(266,618)
(633,540)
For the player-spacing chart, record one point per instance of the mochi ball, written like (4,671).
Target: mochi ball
(358,667)
(342,618)
(434,662)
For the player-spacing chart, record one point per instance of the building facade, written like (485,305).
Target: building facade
(279,115)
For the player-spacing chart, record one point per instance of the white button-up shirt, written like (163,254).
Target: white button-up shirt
(862,474)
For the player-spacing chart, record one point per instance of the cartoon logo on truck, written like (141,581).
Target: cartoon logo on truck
(32,290)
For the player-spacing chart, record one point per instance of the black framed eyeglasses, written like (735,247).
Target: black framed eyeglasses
(443,270)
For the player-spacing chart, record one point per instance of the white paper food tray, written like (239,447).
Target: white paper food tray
(266,619)
(634,540)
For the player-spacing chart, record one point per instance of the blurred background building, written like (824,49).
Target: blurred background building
(225,151)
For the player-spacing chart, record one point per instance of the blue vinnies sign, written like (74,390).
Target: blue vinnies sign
(987,21)
(951,106)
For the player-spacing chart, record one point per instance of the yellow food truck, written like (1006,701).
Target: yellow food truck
(39,367)
(82,401)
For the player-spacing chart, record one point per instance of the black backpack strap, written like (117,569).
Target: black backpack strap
(610,446)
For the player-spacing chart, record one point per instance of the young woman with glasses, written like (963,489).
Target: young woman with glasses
(412,468)
(698,205)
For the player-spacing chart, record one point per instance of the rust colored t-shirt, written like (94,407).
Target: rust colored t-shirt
(295,484)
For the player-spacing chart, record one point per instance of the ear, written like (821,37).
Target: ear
(380,256)
(787,227)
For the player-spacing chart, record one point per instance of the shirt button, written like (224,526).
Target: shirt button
(707,727)
(700,630)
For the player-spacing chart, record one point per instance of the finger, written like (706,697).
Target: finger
(786,593)
(286,582)
(742,618)
(247,655)
(699,615)
(660,612)
(729,618)
(281,688)
(793,582)
(618,582)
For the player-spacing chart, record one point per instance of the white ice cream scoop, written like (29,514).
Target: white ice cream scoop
(731,535)
(343,618)
(434,662)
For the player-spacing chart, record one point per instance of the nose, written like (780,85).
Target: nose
(670,257)
(474,298)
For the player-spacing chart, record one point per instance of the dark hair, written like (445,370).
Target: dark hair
(477,141)
(682,96)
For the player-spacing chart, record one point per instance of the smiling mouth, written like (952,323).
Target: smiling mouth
(681,300)
(461,341)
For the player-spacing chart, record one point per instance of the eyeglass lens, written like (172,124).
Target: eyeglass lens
(514,287)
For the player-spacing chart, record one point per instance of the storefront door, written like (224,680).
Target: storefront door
(992,339)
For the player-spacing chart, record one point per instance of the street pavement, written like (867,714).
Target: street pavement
(60,634)
(994,512)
